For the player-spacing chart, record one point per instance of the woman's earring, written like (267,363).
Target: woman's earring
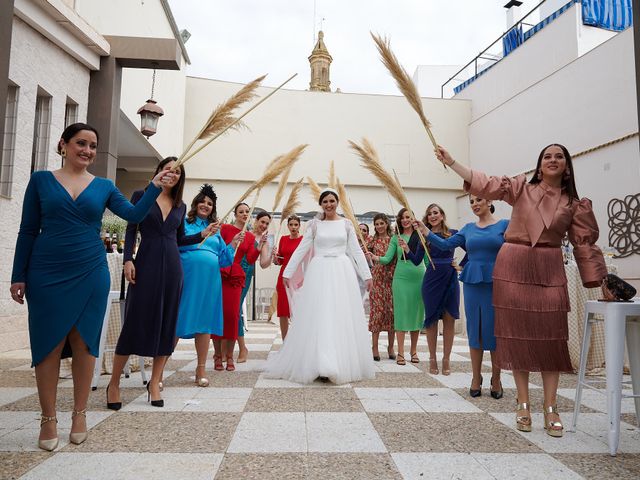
(63,153)
(539,175)
(567,173)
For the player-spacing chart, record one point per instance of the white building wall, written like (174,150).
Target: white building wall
(326,121)
(34,62)
(587,102)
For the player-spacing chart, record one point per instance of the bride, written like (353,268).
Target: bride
(328,337)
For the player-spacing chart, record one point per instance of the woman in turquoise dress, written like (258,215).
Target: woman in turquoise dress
(61,268)
(408,309)
(482,241)
(200,310)
(261,225)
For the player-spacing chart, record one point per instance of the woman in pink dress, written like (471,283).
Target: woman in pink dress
(281,256)
(530,294)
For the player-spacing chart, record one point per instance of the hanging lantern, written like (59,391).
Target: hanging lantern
(150,112)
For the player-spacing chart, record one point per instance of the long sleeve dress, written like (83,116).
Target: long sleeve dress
(233,279)
(286,247)
(61,258)
(381,295)
(530,294)
(200,308)
(151,308)
(328,335)
(482,245)
(440,289)
(408,307)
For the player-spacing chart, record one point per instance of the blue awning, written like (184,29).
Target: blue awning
(613,15)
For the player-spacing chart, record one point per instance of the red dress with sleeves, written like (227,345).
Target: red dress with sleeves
(233,278)
(530,294)
(286,247)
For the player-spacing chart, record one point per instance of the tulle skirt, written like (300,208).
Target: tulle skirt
(328,336)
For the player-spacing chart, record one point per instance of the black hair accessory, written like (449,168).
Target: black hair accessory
(207,190)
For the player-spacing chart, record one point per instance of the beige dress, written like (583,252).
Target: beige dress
(530,287)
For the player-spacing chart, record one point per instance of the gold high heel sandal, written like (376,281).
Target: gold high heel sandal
(553,428)
(523,422)
(201,381)
(78,437)
(51,444)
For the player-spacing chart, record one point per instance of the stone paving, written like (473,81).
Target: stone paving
(404,424)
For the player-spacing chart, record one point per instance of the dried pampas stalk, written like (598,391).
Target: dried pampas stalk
(347,209)
(221,119)
(403,81)
(370,161)
(237,120)
(251,209)
(282,184)
(290,207)
(332,176)
(315,188)
(420,236)
(274,169)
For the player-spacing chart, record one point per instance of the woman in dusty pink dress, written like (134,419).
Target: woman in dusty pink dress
(530,294)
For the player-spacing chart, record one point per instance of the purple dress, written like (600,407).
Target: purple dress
(151,310)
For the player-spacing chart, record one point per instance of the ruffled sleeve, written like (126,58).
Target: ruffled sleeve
(583,234)
(507,189)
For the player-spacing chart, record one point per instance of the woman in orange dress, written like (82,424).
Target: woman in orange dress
(381,296)
(530,294)
(281,256)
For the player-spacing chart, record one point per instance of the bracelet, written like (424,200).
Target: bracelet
(451,164)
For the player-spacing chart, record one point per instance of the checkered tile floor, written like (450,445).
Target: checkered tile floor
(404,424)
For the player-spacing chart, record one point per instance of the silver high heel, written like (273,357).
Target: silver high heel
(78,437)
(201,381)
(51,444)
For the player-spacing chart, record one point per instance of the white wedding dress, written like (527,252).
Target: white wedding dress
(328,335)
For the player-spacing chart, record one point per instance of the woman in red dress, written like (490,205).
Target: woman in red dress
(281,256)
(233,279)
(381,296)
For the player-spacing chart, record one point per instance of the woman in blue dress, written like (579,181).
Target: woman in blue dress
(260,228)
(440,290)
(200,311)
(155,284)
(61,268)
(482,241)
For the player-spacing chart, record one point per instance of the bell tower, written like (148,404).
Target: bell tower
(320,60)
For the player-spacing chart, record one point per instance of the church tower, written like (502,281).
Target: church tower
(320,60)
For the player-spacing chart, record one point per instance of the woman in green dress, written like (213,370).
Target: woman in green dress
(408,308)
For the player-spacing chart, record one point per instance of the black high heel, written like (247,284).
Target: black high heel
(113,405)
(476,393)
(154,403)
(497,394)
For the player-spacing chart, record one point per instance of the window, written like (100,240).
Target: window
(9,145)
(41,127)
(70,113)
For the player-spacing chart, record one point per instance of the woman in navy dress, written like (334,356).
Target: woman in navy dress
(440,290)
(482,241)
(61,268)
(155,285)
(200,311)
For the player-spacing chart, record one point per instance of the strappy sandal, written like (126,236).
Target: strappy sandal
(415,358)
(554,428)
(400,359)
(433,366)
(446,368)
(51,444)
(230,366)
(523,422)
(78,437)
(217,363)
